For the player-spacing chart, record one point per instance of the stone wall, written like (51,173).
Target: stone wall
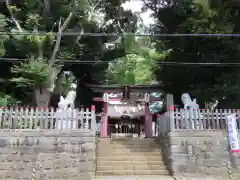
(199,152)
(53,154)
(164,144)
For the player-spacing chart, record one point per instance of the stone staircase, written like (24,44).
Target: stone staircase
(119,157)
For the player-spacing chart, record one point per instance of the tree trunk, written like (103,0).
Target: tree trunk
(42,97)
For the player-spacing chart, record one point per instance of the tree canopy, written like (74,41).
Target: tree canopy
(121,60)
(137,66)
(39,71)
(203,17)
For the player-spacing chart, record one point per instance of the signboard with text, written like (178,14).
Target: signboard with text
(233,133)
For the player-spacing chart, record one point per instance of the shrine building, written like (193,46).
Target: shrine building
(128,110)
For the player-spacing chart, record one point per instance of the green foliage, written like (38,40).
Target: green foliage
(88,16)
(138,66)
(48,16)
(7,100)
(33,73)
(64,82)
(194,16)
(3,38)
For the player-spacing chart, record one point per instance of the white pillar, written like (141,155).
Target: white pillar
(153,129)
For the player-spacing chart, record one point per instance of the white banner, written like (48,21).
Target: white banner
(232,132)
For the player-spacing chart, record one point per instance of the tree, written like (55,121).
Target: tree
(191,16)
(7,100)
(136,67)
(40,71)
(2,37)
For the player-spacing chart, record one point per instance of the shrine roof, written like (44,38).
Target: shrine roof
(118,88)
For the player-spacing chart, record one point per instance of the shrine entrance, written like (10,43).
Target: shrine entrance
(126,127)
(126,110)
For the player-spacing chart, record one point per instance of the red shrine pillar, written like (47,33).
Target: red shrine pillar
(104,120)
(148,118)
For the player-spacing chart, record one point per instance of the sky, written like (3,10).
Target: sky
(135,6)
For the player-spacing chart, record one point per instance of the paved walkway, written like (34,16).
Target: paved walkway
(196,177)
(135,178)
(157,178)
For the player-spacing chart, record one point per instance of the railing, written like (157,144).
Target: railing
(47,118)
(201,119)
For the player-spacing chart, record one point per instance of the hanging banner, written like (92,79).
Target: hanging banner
(232,133)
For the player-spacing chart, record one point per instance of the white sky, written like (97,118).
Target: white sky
(135,6)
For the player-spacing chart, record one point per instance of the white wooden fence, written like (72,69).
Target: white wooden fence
(202,119)
(47,118)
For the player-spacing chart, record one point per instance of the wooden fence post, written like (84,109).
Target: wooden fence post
(170,103)
(93,118)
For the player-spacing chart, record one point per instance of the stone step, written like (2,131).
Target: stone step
(129,151)
(133,142)
(103,154)
(117,163)
(139,149)
(152,145)
(127,140)
(132,172)
(130,158)
(128,146)
(139,139)
(136,143)
(139,167)
(133,148)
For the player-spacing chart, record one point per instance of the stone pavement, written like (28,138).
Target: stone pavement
(134,178)
(196,177)
(179,177)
